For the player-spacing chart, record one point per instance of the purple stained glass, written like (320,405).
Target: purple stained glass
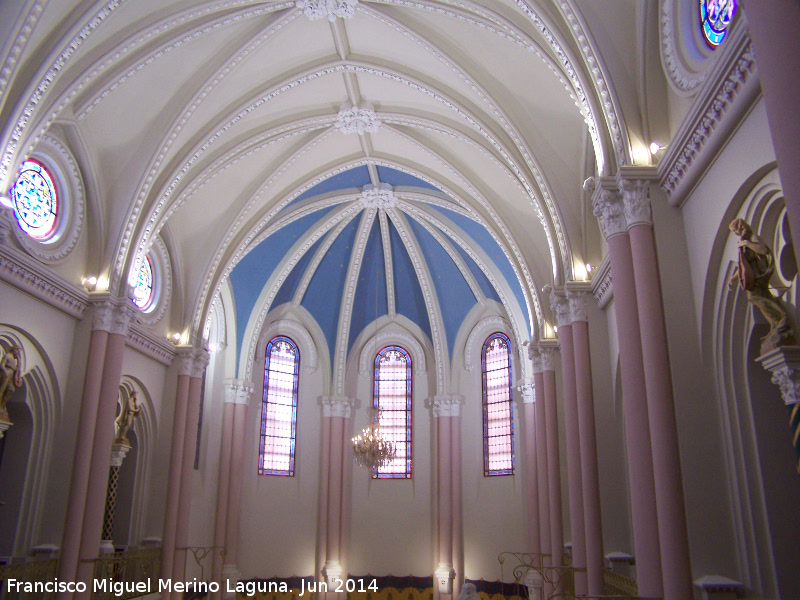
(498,423)
(715,19)
(35,200)
(143,290)
(392,398)
(279,408)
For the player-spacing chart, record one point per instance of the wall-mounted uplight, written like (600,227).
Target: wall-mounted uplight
(589,267)
(655,147)
(90,283)
(175,337)
(5,200)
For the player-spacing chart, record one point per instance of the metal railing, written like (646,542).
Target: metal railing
(37,571)
(126,575)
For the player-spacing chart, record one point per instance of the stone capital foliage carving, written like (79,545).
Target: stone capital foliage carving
(548,358)
(327,9)
(788,379)
(528,390)
(238,391)
(443,405)
(610,211)
(577,306)
(201,358)
(561,307)
(102,315)
(636,200)
(536,358)
(185,358)
(337,406)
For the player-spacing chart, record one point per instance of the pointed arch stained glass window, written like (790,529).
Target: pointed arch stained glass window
(715,18)
(35,200)
(392,399)
(498,422)
(143,289)
(279,408)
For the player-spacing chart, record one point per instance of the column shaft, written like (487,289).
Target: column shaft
(589,472)
(553,472)
(541,468)
(322,513)
(637,429)
(531,482)
(445,493)
(235,496)
(223,479)
(458,538)
(335,490)
(673,536)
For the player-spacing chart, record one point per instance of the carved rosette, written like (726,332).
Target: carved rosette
(610,211)
(636,199)
(528,391)
(327,9)
(337,406)
(443,405)
(380,196)
(577,306)
(357,119)
(237,391)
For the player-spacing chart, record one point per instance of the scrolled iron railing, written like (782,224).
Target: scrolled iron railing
(126,575)
(37,571)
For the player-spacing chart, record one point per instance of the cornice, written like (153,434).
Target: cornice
(150,345)
(28,276)
(602,288)
(727,94)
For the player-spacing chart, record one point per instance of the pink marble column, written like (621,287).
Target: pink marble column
(73,524)
(231,569)
(672,530)
(97,485)
(548,356)
(324,476)
(531,474)
(187,469)
(185,361)
(773,27)
(609,210)
(445,491)
(223,483)
(574,482)
(541,458)
(588,443)
(455,485)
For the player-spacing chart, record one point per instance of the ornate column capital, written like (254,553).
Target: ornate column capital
(113,315)
(784,364)
(560,306)
(609,209)
(445,405)
(528,390)
(548,357)
(238,391)
(201,358)
(577,305)
(636,200)
(337,406)
(184,356)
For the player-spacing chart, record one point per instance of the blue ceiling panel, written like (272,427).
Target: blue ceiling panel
(454,294)
(398,178)
(483,238)
(289,287)
(409,300)
(356,177)
(323,298)
(250,275)
(486,286)
(370,300)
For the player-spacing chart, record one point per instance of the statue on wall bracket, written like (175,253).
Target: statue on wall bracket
(10,378)
(755,267)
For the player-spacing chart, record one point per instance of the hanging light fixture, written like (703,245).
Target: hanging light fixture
(371,449)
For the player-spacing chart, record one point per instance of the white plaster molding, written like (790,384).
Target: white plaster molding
(293,329)
(560,306)
(337,406)
(201,359)
(71,203)
(482,328)
(636,202)
(610,211)
(535,357)
(357,119)
(577,306)
(20,34)
(388,337)
(327,9)
(378,196)
(445,405)
(784,364)
(528,391)
(716,111)
(238,391)
(185,357)
(31,277)
(684,79)
(118,453)
(548,357)
(162,282)
(150,345)
(388,264)
(602,284)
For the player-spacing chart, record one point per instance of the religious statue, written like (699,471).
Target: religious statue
(468,592)
(755,267)
(10,378)
(128,411)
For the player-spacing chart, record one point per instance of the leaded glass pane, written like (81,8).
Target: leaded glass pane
(392,398)
(498,425)
(279,408)
(143,290)
(35,200)
(715,18)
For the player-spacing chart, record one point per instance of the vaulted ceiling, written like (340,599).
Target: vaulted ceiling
(427,154)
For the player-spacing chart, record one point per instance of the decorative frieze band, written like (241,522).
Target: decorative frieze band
(337,406)
(443,405)
(238,391)
(142,340)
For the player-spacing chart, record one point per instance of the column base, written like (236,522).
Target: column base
(106,547)
(445,574)
(232,574)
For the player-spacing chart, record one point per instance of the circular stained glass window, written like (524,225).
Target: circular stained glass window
(715,18)
(35,200)
(143,290)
